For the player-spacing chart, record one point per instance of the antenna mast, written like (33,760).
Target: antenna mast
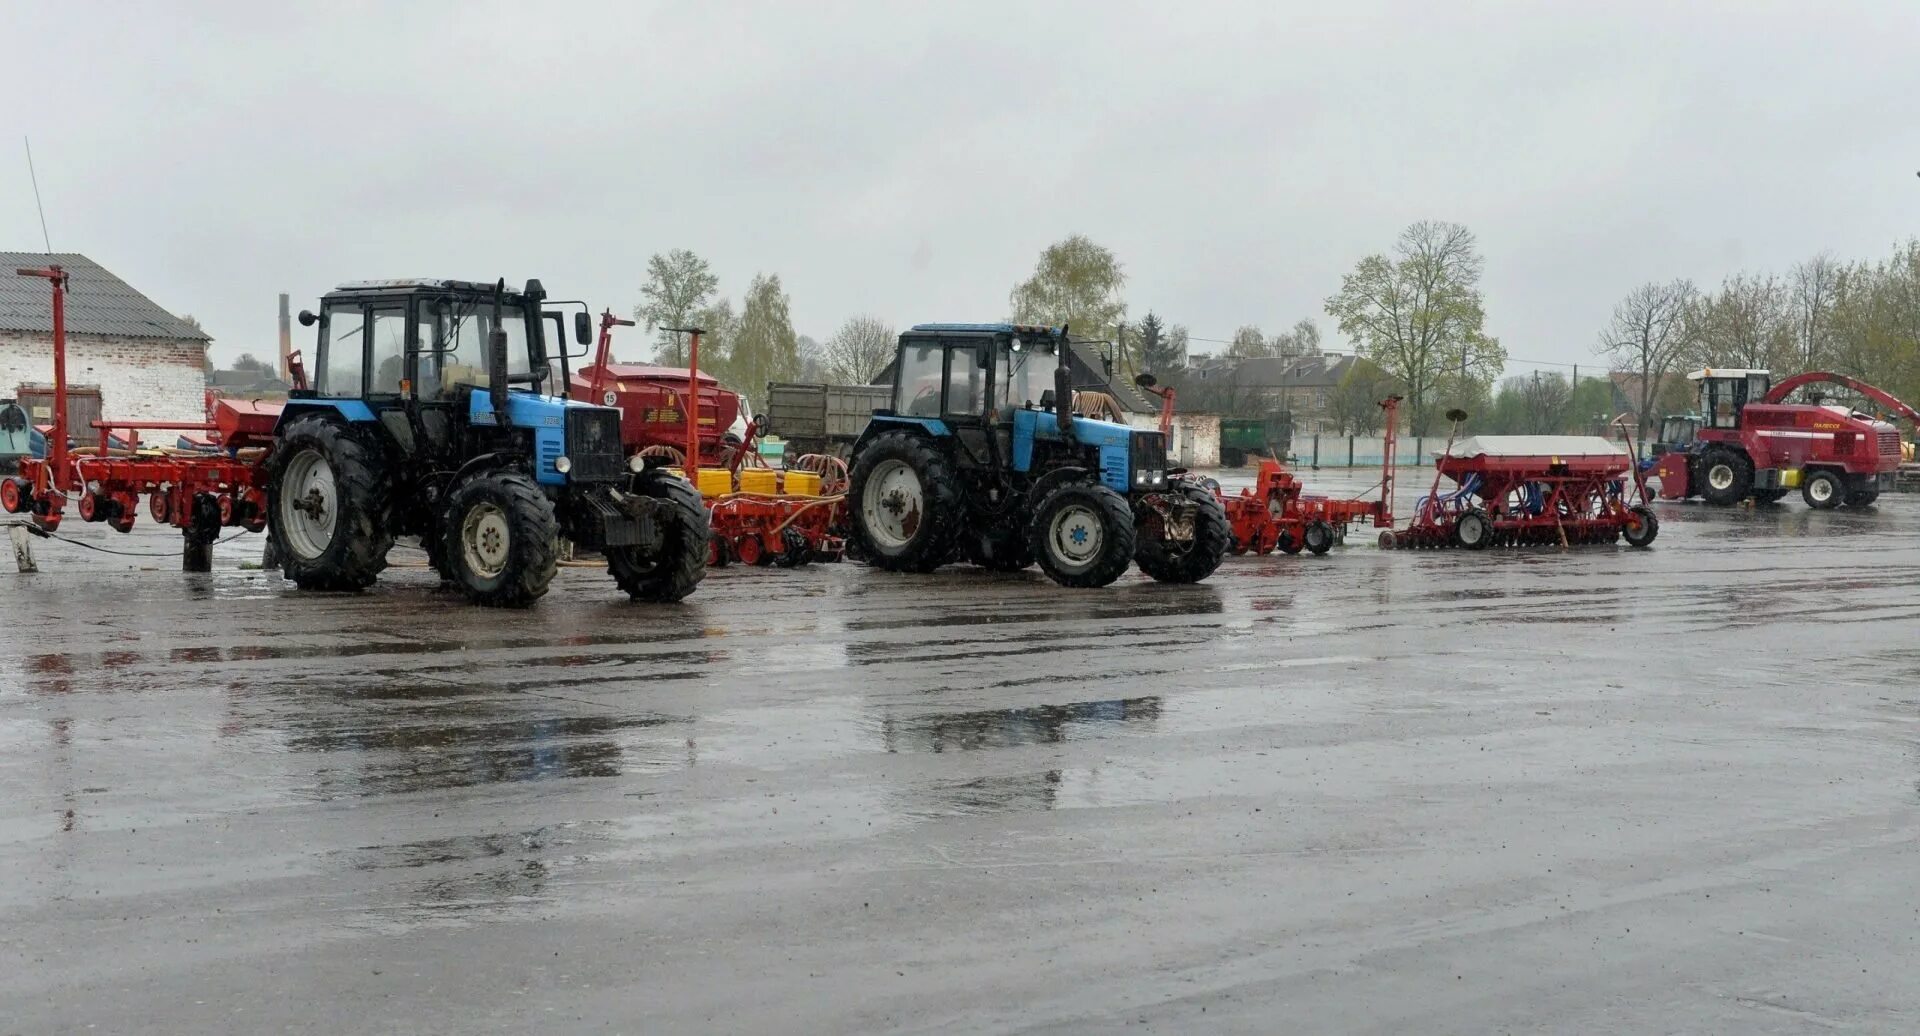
(31,175)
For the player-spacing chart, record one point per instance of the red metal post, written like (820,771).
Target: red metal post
(693,408)
(1389,458)
(603,355)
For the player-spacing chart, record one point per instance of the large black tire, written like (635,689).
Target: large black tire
(999,549)
(332,527)
(1641,527)
(1195,560)
(502,539)
(1770,496)
(1317,536)
(1822,490)
(1862,497)
(681,562)
(1726,476)
(1082,534)
(1474,530)
(914,515)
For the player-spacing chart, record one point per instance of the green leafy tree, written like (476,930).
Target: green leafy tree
(1354,405)
(764,347)
(1420,315)
(679,287)
(1302,339)
(1248,342)
(1076,282)
(1157,352)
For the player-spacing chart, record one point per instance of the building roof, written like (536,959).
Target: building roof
(1316,371)
(98,303)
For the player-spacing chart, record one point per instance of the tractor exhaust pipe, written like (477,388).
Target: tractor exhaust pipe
(1063,388)
(497,359)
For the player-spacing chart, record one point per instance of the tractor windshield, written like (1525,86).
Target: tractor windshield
(453,340)
(1026,372)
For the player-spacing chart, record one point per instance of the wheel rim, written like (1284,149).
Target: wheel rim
(309,505)
(1820,489)
(1075,535)
(484,540)
(1720,476)
(1473,529)
(892,504)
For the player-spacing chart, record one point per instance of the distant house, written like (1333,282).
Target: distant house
(1299,385)
(126,355)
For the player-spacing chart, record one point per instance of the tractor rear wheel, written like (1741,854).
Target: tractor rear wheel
(1822,490)
(1082,533)
(1726,476)
(1862,497)
(905,502)
(1641,526)
(327,501)
(672,572)
(1194,560)
(1474,530)
(502,539)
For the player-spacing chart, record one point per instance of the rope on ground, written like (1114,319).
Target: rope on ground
(45,535)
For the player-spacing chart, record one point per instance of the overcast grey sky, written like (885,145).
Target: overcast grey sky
(912,159)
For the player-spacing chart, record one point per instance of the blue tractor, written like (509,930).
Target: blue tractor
(980,458)
(430,415)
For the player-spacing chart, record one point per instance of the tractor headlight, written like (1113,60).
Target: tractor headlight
(636,464)
(563,464)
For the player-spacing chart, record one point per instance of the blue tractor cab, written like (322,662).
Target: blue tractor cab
(981,457)
(439,410)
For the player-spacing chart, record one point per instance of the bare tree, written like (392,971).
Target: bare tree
(1649,337)
(859,350)
(1545,398)
(1816,285)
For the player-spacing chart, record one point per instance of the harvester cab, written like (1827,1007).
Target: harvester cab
(980,456)
(429,415)
(1724,394)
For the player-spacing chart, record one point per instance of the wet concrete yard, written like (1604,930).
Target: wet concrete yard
(1607,790)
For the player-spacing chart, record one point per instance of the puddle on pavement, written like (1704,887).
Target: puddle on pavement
(1005,728)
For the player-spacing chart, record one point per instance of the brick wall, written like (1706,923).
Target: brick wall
(157,378)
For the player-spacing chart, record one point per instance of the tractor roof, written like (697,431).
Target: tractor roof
(991,329)
(419,284)
(1726,372)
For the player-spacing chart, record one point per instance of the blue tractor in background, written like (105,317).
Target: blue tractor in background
(430,416)
(980,458)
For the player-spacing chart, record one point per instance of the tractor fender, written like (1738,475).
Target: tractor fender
(351,411)
(1058,476)
(931,428)
(484,462)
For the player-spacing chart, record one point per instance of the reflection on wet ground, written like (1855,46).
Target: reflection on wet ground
(803,773)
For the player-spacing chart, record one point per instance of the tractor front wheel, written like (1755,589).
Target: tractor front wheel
(501,538)
(1170,561)
(1082,532)
(1822,490)
(1726,476)
(327,498)
(671,573)
(905,503)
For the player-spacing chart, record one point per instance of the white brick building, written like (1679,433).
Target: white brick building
(144,361)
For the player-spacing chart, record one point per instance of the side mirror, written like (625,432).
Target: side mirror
(308,318)
(583,328)
(1046,399)
(1145,381)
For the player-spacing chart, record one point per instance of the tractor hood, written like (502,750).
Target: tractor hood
(526,409)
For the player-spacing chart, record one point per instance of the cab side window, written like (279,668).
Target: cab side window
(388,330)
(918,388)
(343,361)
